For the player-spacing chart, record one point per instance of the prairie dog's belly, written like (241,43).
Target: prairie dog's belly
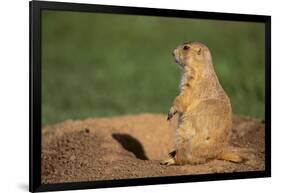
(208,120)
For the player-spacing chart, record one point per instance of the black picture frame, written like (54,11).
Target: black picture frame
(36,8)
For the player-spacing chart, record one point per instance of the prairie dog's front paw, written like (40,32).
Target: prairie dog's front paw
(171,113)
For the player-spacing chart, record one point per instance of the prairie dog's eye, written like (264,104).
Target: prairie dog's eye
(185,47)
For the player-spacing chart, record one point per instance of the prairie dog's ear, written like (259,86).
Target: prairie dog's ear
(199,51)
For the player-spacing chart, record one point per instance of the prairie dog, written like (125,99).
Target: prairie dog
(205,114)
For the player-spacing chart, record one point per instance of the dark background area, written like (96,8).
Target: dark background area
(104,64)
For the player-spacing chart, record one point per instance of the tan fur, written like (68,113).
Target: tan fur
(205,114)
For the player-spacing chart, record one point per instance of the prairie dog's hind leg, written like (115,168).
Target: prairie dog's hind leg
(168,162)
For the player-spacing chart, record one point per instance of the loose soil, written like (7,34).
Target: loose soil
(132,147)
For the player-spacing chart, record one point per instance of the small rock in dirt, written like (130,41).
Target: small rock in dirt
(72,158)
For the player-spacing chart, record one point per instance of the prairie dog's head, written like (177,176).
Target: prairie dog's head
(192,55)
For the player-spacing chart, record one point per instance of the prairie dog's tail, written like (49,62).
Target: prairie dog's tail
(231,154)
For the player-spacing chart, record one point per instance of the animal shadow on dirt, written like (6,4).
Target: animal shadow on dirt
(131,144)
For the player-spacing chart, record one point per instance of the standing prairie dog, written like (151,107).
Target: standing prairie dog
(205,114)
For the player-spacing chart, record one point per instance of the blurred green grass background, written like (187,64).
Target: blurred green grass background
(104,64)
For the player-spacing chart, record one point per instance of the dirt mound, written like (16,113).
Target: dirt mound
(132,147)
